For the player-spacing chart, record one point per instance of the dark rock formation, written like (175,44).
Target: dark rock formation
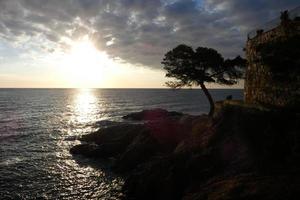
(133,144)
(249,186)
(151,115)
(90,150)
(108,142)
(140,150)
(242,153)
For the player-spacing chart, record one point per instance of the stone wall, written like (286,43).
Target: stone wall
(260,88)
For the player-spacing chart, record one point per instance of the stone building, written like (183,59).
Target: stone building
(261,84)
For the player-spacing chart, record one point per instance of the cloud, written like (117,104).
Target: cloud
(137,31)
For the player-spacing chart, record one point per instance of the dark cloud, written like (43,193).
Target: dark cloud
(139,31)
(250,13)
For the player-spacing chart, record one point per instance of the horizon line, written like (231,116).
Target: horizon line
(118,88)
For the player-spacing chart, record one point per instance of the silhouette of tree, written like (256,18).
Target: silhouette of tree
(204,65)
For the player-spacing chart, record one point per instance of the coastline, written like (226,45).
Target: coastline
(240,153)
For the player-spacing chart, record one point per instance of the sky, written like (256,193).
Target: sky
(117,43)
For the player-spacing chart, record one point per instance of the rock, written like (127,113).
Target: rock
(151,115)
(107,142)
(168,132)
(162,178)
(142,148)
(123,133)
(104,150)
(249,186)
(85,149)
(240,140)
(241,153)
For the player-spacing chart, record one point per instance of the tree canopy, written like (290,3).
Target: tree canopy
(204,65)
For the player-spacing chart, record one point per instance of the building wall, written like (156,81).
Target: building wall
(259,86)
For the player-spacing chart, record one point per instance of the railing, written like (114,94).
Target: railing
(274,23)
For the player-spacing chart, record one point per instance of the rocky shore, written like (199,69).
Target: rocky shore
(242,152)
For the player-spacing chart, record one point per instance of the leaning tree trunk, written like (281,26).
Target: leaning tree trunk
(210,99)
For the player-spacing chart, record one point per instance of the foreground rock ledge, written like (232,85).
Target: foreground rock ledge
(241,153)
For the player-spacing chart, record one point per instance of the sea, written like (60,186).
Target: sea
(39,126)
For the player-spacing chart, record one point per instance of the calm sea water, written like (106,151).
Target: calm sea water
(39,126)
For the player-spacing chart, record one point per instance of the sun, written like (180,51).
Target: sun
(85,65)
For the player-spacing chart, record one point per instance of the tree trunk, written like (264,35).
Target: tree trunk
(210,99)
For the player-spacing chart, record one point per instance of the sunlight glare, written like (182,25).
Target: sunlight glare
(85,65)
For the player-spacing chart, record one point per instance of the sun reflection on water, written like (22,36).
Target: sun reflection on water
(84,110)
(85,106)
